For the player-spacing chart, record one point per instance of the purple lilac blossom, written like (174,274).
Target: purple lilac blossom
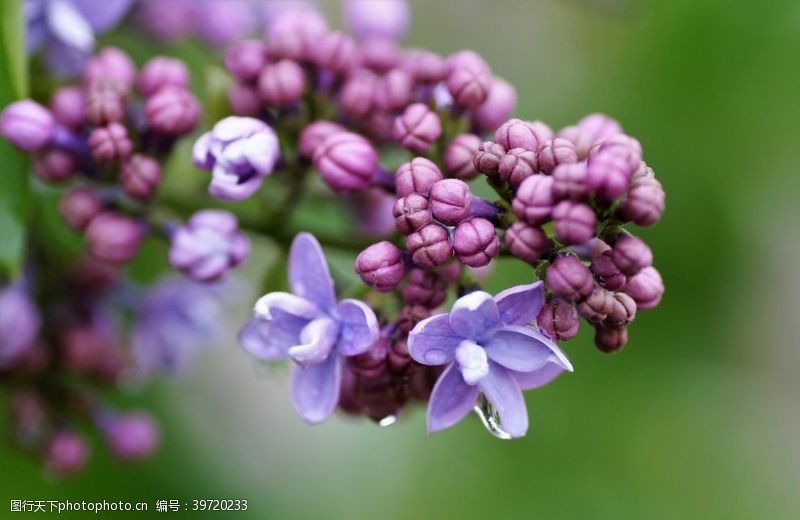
(19,323)
(370,19)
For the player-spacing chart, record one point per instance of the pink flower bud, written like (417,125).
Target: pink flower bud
(245,60)
(104,105)
(569,278)
(517,165)
(574,222)
(27,125)
(607,175)
(555,152)
(172,111)
(644,202)
(631,254)
(425,288)
(475,242)
(68,106)
(381,266)
(314,134)
(469,79)
(79,206)
(358,92)
(244,100)
(430,246)
(487,158)
(458,156)
(347,162)
(140,176)
(110,65)
(569,181)
(336,52)
(559,320)
(450,201)
(113,238)
(424,66)
(282,83)
(534,200)
(623,310)
(54,165)
(646,288)
(161,72)
(393,92)
(417,128)
(516,133)
(293,33)
(610,339)
(416,176)
(589,130)
(497,108)
(526,242)
(66,453)
(597,306)
(607,273)
(411,213)
(110,143)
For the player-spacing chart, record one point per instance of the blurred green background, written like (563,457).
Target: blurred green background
(699,417)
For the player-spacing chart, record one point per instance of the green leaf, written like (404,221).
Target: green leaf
(14,182)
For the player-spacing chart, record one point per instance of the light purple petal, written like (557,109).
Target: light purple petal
(308,272)
(216,219)
(523,349)
(521,304)
(69,25)
(451,400)
(209,268)
(505,395)
(538,378)
(275,304)
(264,340)
(103,14)
(359,327)
(315,389)
(317,340)
(433,341)
(200,152)
(234,127)
(261,151)
(475,316)
(225,185)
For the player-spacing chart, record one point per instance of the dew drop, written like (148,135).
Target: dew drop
(490,418)
(387,421)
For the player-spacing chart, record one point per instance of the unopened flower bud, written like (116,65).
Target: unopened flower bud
(607,273)
(336,52)
(516,133)
(597,306)
(372,363)
(209,245)
(411,213)
(569,278)
(644,202)
(469,79)
(475,242)
(358,93)
(393,92)
(517,165)
(381,266)
(555,152)
(314,134)
(450,201)
(104,105)
(410,315)
(140,176)
(27,125)
(458,156)
(245,60)
(377,20)
(416,176)
(79,206)
(631,254)
(244,100)
(588,131)
(430,246)
(292,34)
(487,158)
(68,106)
(113,238)
(610,338)
(110,143)
(417,128)
(607,175)
(574,222)
(498,107)
(347,162)
(424,66)
(534,200)
(161,72)
(569,181)
(66,453)
(646,288)
(281,84)
(425,288)
(54,165)
(559,320)
(110,65)
(623,310)
(526,242)
(172,111)
(132,436)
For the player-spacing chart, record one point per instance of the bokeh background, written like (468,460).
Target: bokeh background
(699,417)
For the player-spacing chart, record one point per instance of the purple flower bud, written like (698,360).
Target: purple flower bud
(381,266)
(417,128)
(597,306)
(113,238)
(450,201)
(644,202)
(68,106)
(459,154)
(497,108)
(104,105)
(110,143)
(517,165)
(132,436)
(610,339)
(623,145)
(516,133)
(140,176)
(607,273)
(282,83)
(161,72)
(110,65)
(336,52)
(372,363)
(27,125)
(380,55)
(66,453)
(358,92)
(631,254)
(607,175)
(569,278)
(373,211)
(589,130)
(430,246)
(623,310)
(469,79)
(416,176)
(54,165)
(411,213)
(569,181)
(245,60)
(475,242)
(172,111)
(387,19)
(293,33)
(424,66)
(646,288)
(425,288)
(487,158)
(347,162)
(79,206)
(555,152)
(534,201)
(526,242)
(574,222)
(559,320)
(244,100)
(208,246)
(393,92)
(222,23)
(19,324)
(314,134)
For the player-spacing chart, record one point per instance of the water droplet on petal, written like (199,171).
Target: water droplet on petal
(387,421)
(490,418)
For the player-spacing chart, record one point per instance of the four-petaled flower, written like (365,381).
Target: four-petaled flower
(488,349)
(312,329)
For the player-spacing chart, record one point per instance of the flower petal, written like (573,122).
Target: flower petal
(226,186)
(359,327)
(308,272)
(103,14)
(317,340)
(503,392)
(475,316)
(472,361)
(523,349)
(275,305)
(200,152)
(266,340)
(315,389)
(261,150)
(521,304)
(69,25)
(433,341)
(538,378)
(451,400)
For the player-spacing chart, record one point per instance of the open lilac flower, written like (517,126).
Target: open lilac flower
(489,349)
(239,152)
(312,329)
(209,245)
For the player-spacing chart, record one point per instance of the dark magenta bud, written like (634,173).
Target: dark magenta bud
(314,134)
(110,65)
(497,108)
(66,453)
(113,238)
(623,310)
(517,165)
(424,66)
(597,306)
(607,175)
(487,158)
(347,162)
(110,143)
(68,106)
(140,176)
(336,52)
(610,338)
(607,273)
(172,111)
(458,156)
(425,288)
(516,133)
(245,60)
(416,176)
(574,222)
(417,128)
(79,206)
(358,93)
(54,165)
(294,32)
(161,72)
(534,200)
(631,254)
(132,436)
(393,92)
(475,242)
(244,100)
(526,242)
(559,320)
(104,105)
(555,152)
(27,125)
(588,131)
(372,363)
(450,201)
(469,79)
(410,315)
(569,181)
(282,83)
(644,202)
(381,266)
(430,246)
(380,54)
(569,278)
(411,213)
(646,288)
